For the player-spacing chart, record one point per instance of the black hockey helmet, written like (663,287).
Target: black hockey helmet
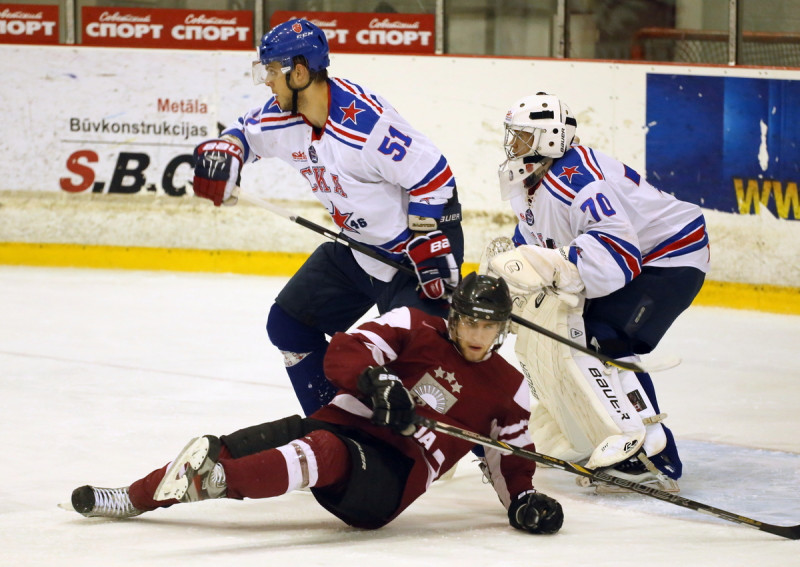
(482,297)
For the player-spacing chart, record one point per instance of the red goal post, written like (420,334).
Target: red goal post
(706,46)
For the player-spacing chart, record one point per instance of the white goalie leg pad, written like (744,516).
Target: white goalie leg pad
(624,445)
(548,437)
(583,397)
(655,439)
(557,382)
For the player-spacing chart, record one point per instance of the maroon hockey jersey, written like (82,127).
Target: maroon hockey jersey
(489,397)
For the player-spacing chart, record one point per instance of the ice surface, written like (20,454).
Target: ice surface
(106,374)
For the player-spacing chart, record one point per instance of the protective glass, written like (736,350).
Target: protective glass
(261,73)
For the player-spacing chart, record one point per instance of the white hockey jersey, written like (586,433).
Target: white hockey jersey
(368,166)
(613,220)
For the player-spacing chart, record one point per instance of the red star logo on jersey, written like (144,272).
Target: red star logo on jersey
(568,172)
(341,219)
(351,112)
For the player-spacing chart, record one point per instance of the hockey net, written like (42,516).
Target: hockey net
(705,46)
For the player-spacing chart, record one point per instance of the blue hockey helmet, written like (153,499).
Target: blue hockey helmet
(290,39)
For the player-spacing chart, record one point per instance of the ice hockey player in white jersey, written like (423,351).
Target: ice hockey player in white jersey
(383,182)
(602,256)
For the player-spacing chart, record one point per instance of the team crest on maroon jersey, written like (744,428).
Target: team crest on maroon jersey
(434,393)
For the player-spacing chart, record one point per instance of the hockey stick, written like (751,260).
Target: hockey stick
(789,532)
(372,253)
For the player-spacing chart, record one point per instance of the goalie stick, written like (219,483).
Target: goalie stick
(372,253)
(789,532)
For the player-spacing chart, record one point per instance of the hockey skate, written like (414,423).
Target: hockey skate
(94,502)
(195,474)
(638,469)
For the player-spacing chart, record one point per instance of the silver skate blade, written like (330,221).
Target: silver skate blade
(67,506)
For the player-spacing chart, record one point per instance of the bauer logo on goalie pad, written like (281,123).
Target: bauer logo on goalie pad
(513,266)
(575,333)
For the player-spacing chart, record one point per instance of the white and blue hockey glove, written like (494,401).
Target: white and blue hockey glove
(217,167)
(392,404)
(536,513)
(434,263)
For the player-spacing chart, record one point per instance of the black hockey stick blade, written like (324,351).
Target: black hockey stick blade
(789,532)
(372,253)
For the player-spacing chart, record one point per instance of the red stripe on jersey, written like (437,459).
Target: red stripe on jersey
(400,247)
(589,162)
(360,95)
(692,238)
(557,185)
(279,118)
(436,183)
(344,132)
(630,261)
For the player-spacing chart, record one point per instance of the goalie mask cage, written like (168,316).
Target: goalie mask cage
(711,47)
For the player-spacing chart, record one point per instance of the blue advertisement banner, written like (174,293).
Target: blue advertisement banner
(725,143)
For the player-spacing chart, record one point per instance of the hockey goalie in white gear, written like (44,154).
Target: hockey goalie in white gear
(583,410)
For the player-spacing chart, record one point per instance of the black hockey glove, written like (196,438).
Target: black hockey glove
(217,166)
(392,404)
(536,513)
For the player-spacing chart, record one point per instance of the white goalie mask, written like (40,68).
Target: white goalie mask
(518,177)
(538,125)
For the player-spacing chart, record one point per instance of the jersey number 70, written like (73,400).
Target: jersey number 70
(603,202)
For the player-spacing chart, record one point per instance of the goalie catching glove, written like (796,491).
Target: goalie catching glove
(434,263)
(392,404)
(555,266)
(529,268)
(536,513)
(217,167)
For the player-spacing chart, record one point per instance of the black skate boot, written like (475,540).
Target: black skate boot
(94,502)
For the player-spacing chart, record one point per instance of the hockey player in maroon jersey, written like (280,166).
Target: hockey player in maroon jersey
(361,455)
